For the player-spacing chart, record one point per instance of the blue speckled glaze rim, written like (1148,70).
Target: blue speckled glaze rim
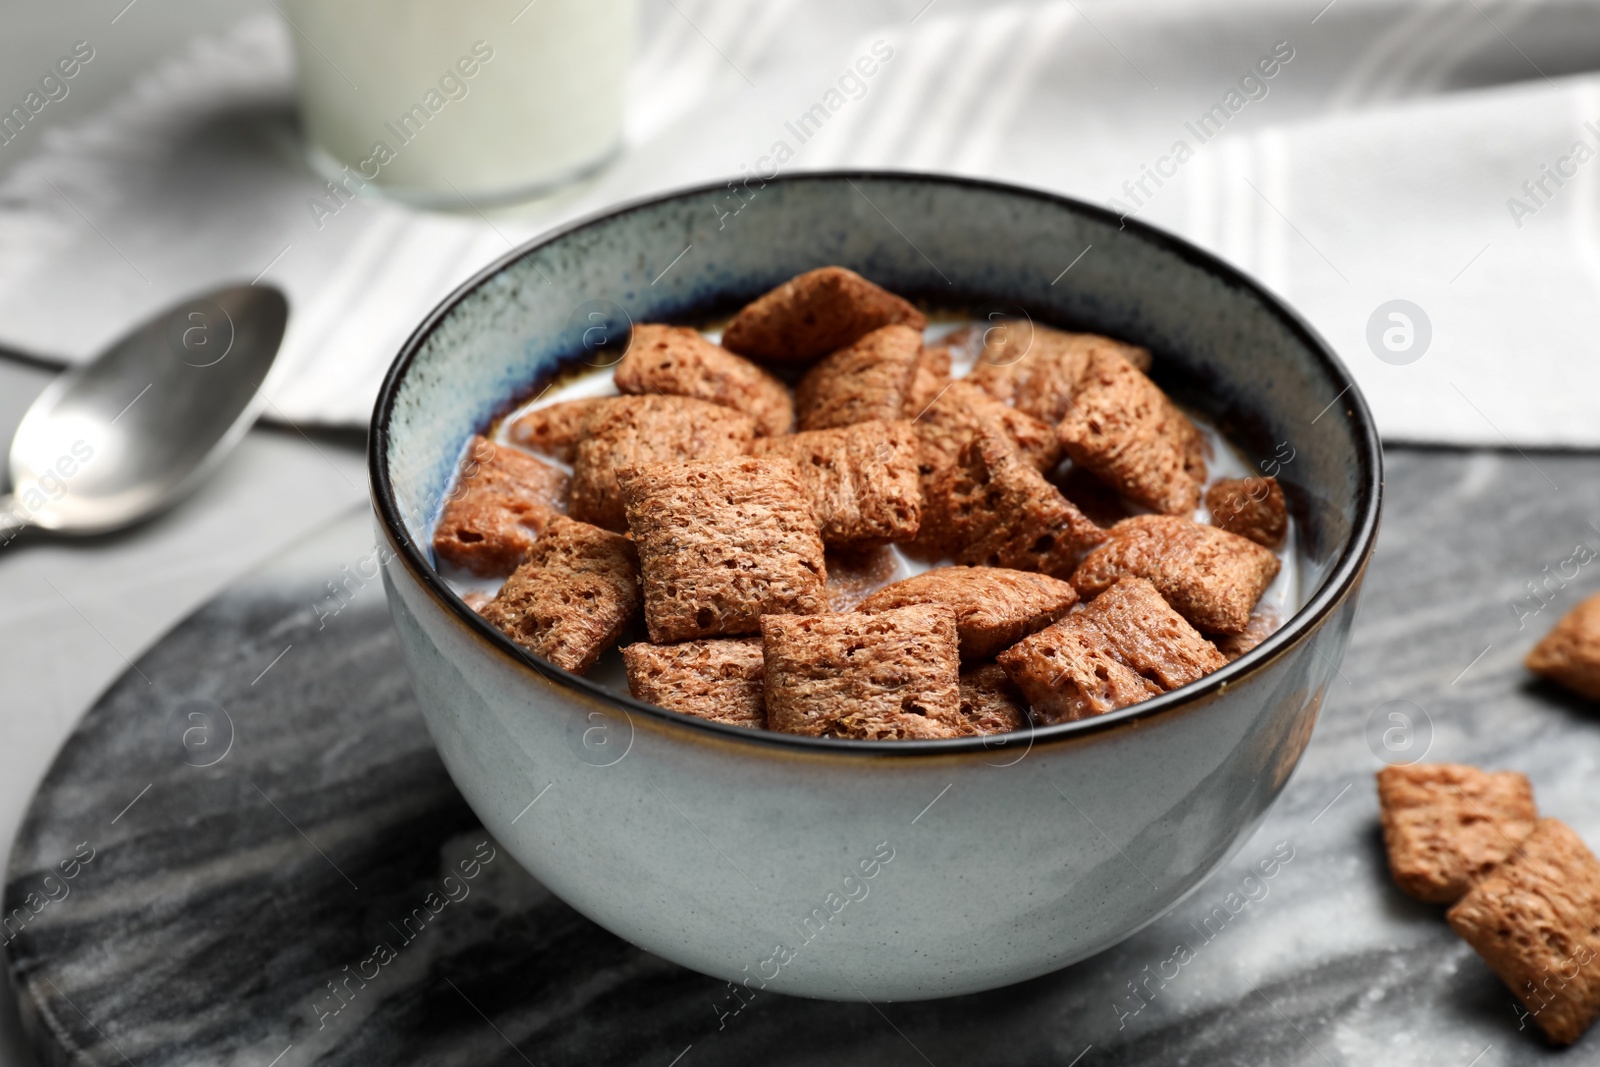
(1340,581)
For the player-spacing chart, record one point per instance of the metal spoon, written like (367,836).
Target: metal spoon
(119,438)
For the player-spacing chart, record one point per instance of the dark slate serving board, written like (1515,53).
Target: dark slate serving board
(263,807)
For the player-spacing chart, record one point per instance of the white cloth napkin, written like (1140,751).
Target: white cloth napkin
(1384,159)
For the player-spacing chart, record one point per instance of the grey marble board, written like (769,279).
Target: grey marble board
(255,806)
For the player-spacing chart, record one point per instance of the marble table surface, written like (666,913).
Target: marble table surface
(256,804)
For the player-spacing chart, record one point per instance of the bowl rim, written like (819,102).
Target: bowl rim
(1344,576)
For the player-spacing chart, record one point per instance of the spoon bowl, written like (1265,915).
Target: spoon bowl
(117,439)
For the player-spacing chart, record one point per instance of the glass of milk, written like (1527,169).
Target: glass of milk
(461,102)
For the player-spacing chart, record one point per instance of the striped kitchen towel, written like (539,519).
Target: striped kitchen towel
(1417,176)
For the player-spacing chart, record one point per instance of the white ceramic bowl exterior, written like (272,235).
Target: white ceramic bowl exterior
(888,870)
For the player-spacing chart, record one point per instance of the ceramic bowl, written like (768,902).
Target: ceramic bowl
(851,869)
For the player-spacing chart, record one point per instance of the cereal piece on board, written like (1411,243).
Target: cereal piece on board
(869,380)
(573,596)
(678,361)
(929,378)
(722,544)
(556,429)
(1039,369)
(1213,578)
(1264,622)
(720,679)
(1446,825)
(890,676)
(500,505)
(649,429)
(861,479)
(1122,427)
(813,314)
(1569,654)
(995,607)
(1250,507)
(990,703)
(992,508)
(1533,920)
(1126,646)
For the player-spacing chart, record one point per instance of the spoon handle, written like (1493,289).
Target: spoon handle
(12,521)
